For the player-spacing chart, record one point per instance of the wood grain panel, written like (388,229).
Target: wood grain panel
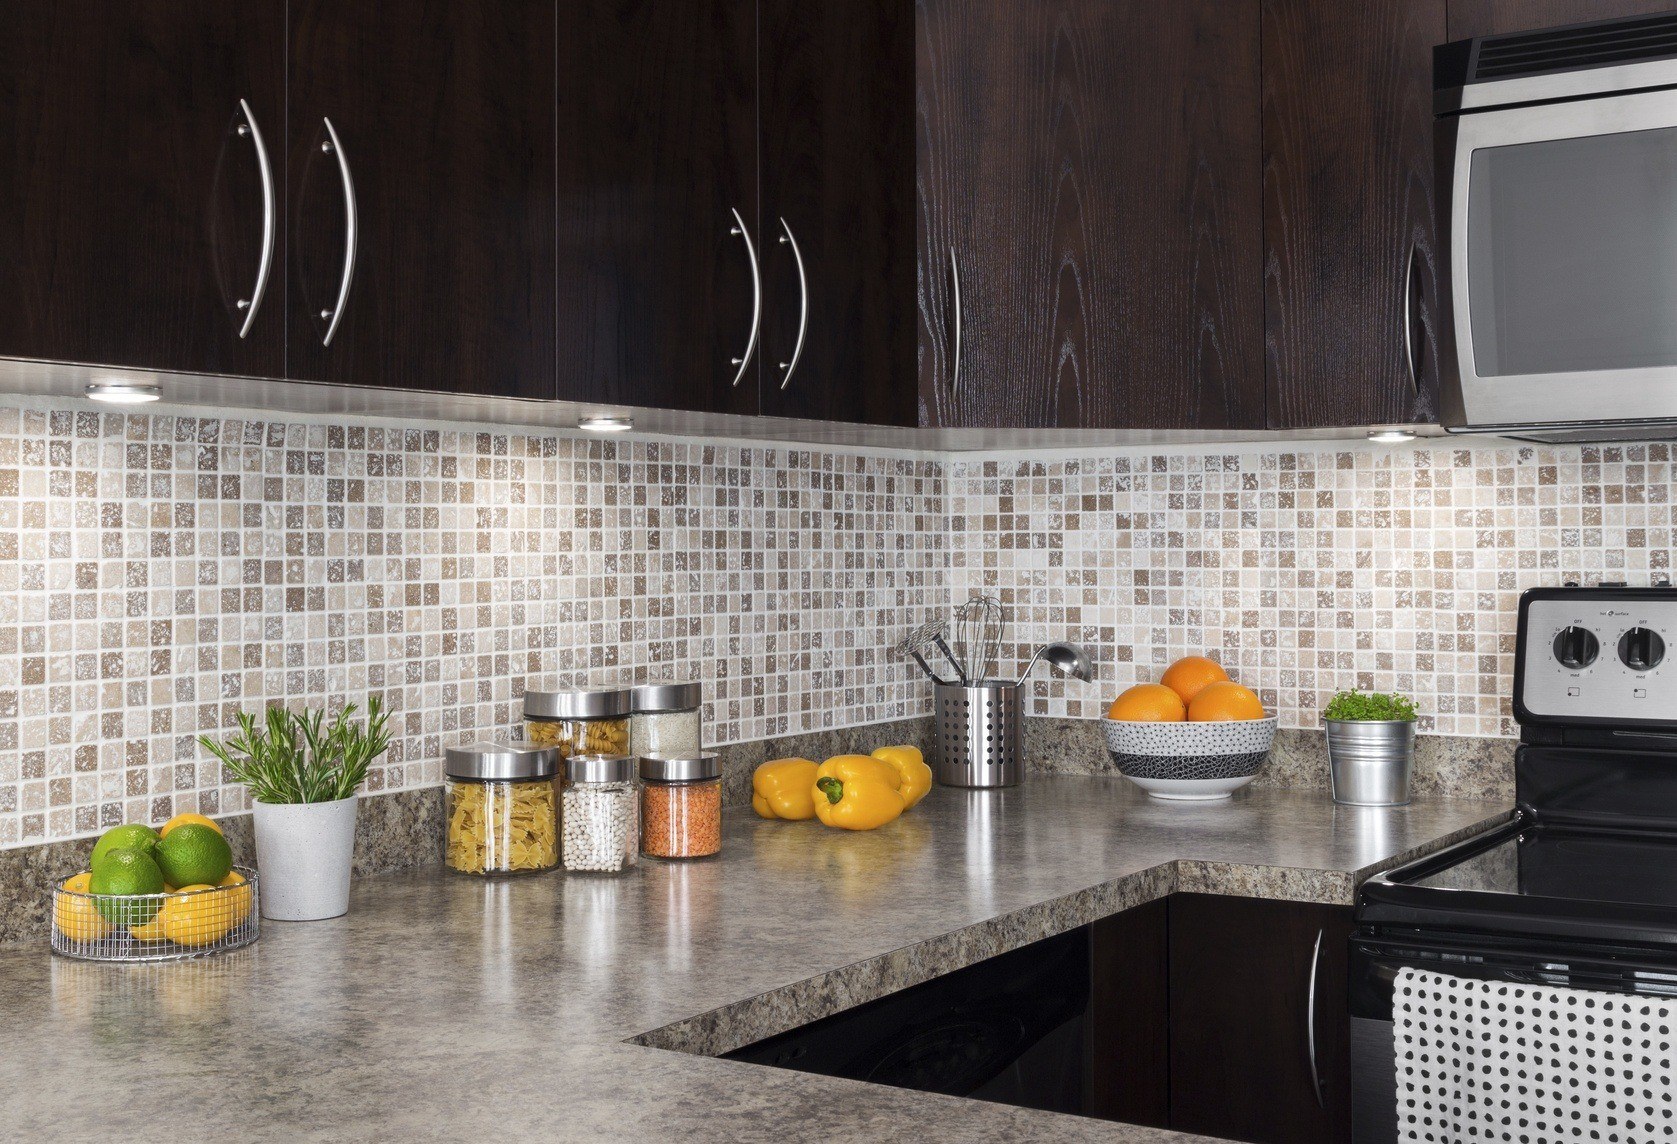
(446,114)
(1094,164)
(1469,18)
(130,208)
(1129,1027)
(1348,200)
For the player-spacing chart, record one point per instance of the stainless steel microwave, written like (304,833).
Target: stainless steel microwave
(1557,163)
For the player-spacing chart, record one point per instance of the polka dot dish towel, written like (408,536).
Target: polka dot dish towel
(1492,1061)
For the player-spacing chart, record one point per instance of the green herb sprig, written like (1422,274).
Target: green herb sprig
(298,757)
(1358,707)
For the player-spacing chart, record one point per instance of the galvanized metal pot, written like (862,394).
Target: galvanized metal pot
(1371,761)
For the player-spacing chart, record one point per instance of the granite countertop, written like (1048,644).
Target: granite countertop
(450,1006)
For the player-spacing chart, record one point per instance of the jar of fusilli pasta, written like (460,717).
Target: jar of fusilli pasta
(579,722)
(502,808)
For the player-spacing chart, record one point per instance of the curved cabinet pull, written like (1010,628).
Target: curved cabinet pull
(335,147)
(955,298)
(744,359)
(803,309)
(1408,328)
(1310,1017)
(254,302)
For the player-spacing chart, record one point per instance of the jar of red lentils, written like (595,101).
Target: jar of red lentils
(681,807)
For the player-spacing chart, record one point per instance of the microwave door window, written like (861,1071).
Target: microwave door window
(1572,254)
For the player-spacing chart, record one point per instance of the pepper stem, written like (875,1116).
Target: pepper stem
(832,788)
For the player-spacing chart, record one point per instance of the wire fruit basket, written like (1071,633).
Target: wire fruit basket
(156,927)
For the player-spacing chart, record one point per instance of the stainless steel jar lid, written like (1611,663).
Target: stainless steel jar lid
(651,697)
(699,767)
(501,762)
(600,768)
(601,703)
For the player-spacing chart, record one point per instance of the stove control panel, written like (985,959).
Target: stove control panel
(1598,655)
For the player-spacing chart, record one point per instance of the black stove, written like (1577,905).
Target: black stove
(1579,889)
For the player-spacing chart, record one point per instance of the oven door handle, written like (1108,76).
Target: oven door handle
(1310,1017)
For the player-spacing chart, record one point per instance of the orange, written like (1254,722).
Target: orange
(1148,703)
(1191,674)
(1223,702)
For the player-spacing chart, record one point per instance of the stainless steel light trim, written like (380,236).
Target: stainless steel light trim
(955,300)
(254,302)
(1310,1017)
(744,360)
(803,310)
(600,768)
(1568,84)
(488,761)
(1408,329)
(1643,394)
(581,703)
(335,147)
(696,769)
(648,698)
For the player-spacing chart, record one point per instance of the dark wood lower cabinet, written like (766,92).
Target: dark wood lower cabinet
(1129,1033)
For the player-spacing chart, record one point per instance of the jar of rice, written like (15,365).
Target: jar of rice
(664,720)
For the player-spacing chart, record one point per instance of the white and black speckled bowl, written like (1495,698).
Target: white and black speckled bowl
(1195,761)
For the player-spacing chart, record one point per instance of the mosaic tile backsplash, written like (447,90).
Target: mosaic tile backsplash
(1306,570)
(161,572)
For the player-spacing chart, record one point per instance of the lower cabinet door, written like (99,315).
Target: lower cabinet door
(1259,1032)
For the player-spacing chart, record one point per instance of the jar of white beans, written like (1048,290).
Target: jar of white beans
(598,828)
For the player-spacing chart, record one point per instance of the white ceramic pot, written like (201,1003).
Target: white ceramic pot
(304,852)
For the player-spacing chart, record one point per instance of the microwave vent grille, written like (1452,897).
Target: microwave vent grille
(1579,46)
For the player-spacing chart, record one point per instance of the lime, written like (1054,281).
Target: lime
(134,836)
(194,855)
(127,873)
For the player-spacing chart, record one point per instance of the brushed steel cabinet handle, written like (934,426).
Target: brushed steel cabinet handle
(744,359)
(955,299)
(803,309)
(254,302)
(1408,328)
(335,147)
(1310,1018)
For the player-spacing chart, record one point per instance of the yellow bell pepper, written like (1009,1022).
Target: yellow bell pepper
(784,788)
(856,792)
(914,777)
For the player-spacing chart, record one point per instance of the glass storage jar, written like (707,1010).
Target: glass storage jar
(681,807)
(597,813)
(664,720)
(579,722)
(502,809)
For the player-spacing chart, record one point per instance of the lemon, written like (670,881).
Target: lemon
(75,917)
(194,855)
(125,878)
(152,930)
(187,819)
(239,900)
(197,916)
(130,837)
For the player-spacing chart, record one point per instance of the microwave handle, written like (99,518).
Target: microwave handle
(1408,324)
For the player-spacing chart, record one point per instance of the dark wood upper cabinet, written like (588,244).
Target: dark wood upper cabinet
(443,116)
(837,224)
(1351,264)
(1091,228)
(1469,18)
(658,218)
(132,219)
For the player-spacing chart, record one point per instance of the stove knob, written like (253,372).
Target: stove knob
(1641,649)
(1576,648)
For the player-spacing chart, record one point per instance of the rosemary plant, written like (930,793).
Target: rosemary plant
(299,757)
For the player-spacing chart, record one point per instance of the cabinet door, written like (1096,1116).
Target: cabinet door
(133,211)
(1469,18)
(1129,1026)
(432,125)
(1260,1029)
(837,136)
(1351,266)
(1090,179)
(658,226)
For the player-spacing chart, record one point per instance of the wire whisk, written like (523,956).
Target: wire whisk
(978,633)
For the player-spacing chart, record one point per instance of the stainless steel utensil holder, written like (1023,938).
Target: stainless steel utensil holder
(978,738)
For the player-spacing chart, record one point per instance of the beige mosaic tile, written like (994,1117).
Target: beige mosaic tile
(1307,570)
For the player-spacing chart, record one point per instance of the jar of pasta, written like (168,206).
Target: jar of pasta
(664,720)
(598,813)
(580,722)
(681,807)
(502,808)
